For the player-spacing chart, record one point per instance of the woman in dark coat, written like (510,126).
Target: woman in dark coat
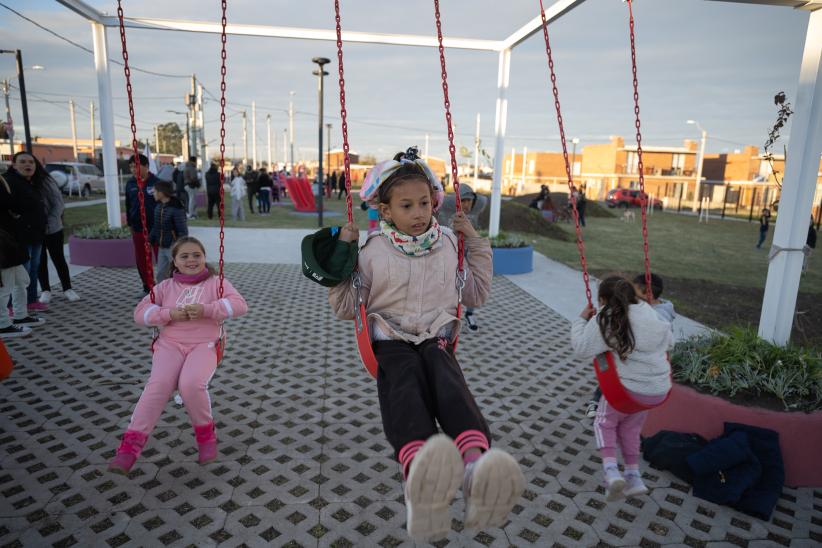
(26,178)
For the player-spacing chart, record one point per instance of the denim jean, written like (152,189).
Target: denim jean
(32,267)
(762,235)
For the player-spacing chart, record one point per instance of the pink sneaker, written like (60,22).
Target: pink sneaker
(38,307)
(127,453)
(207,442)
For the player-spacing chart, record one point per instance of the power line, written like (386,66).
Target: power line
(84,48)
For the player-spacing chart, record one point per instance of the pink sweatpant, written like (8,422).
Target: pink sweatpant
(187,368)
(613,429)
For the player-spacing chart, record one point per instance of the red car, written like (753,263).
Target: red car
(626,197)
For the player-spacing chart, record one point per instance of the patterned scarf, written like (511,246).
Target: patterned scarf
(413,246)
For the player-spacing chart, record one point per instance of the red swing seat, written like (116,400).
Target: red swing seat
(605,366)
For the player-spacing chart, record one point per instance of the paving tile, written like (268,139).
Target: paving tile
(303,460)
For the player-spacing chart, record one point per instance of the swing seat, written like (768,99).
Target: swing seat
(612,388)
(6,365)
(369,360)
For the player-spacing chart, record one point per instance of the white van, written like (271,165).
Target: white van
(77,177)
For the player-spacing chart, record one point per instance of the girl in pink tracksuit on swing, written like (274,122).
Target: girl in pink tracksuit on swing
(189,313)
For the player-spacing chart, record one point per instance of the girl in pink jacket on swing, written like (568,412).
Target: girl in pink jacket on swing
(189,313)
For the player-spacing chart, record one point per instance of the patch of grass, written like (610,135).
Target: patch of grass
(741,366)
(722,251)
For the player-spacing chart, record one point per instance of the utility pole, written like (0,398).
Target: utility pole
(93,140)
(254,134)
(191,101)
(476,153)
(268,135)
(73,129)
(21,83)
(245,140)
(291,127)
(9,124)
(201,132)
(156,139)
(285,148)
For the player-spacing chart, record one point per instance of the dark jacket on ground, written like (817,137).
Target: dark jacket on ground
(133,203)
(169,223)
(213,181)
(668,450)
(27,218)
(743,468)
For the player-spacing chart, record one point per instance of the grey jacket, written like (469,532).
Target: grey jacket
(53,203)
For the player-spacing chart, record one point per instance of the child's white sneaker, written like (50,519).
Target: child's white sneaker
(71,295)
(433,479)
(492,485)
(634,486)
(45,297)
(614,484)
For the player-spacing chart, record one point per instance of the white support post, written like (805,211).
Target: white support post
(93,137)
(500,124)
(524,165)
(106,125)
(700,162)
(796,202)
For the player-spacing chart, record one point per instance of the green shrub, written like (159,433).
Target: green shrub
(102,232)
(741,365)
(504,239)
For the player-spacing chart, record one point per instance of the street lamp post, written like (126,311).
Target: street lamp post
(188,129)
(328,148)
(291,128)
(700,161)
(21,82)
(320,73)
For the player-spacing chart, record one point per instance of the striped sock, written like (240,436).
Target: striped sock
(471,439)
(406,455)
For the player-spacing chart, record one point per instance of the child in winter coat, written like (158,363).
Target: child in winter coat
(408,274)
(189,312)
(630,329)
(238,192)
(169,224)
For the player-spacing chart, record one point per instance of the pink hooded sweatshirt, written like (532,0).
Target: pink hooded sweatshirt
(171,294)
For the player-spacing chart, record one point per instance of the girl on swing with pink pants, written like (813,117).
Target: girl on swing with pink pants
(189,312)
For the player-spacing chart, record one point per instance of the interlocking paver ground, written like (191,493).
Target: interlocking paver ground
(303,459)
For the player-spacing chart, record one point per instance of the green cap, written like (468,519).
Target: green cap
(326,259)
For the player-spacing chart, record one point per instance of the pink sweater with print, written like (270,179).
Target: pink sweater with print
(170,294)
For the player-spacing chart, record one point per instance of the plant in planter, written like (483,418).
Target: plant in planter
(746,369)
(512,255)
(741,378)
(101,245)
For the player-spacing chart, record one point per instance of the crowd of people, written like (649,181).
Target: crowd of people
(31,233)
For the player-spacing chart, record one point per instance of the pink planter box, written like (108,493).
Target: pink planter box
(800,434)
(116,253)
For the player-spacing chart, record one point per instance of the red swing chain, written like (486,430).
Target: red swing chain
(643,197)
(452,150)
(141,184)
(343,114)
(222,145)
(571,189)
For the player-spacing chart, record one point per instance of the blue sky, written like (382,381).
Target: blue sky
(720,63)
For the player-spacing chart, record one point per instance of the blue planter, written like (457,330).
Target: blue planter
(513,260)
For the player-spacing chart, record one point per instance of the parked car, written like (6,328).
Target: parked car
(77,177)
(626,197)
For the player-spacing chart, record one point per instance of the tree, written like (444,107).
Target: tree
(171,139)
